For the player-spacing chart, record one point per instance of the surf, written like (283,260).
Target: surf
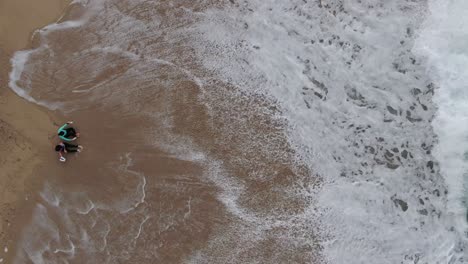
(442,41)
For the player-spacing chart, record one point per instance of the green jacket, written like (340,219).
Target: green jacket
(62,129)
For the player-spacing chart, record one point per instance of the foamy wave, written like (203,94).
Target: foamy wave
(140,190)
(342,79)
(443,42)
(19,63)
(61,26)
(70,251)
(89,207)
(44,231)
(20,59)
(50,196)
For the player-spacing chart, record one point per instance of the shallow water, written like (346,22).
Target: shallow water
(243,132)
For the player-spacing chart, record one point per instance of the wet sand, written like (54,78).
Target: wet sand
(160,178)
(26,130)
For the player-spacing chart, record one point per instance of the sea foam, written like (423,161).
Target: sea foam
(443,41)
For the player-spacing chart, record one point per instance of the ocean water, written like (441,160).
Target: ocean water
(252,132)
(442,42)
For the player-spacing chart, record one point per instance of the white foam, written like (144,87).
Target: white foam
(61,26)
(19,62)
(104,238)
(141,185)
(36,238)
(443,41)
(50,196)
(141,227)
(89,207)
(278,48)
(189,207)
(70,250)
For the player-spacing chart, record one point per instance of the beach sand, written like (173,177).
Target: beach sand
(26,130)
(165,176)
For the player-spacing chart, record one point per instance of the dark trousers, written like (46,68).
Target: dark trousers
(70,147)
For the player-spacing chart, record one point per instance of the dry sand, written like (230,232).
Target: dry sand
(26,130)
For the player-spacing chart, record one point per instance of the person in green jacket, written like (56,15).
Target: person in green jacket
(66,133)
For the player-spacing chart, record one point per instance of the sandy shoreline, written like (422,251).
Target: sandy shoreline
(131,175)
(26,130)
